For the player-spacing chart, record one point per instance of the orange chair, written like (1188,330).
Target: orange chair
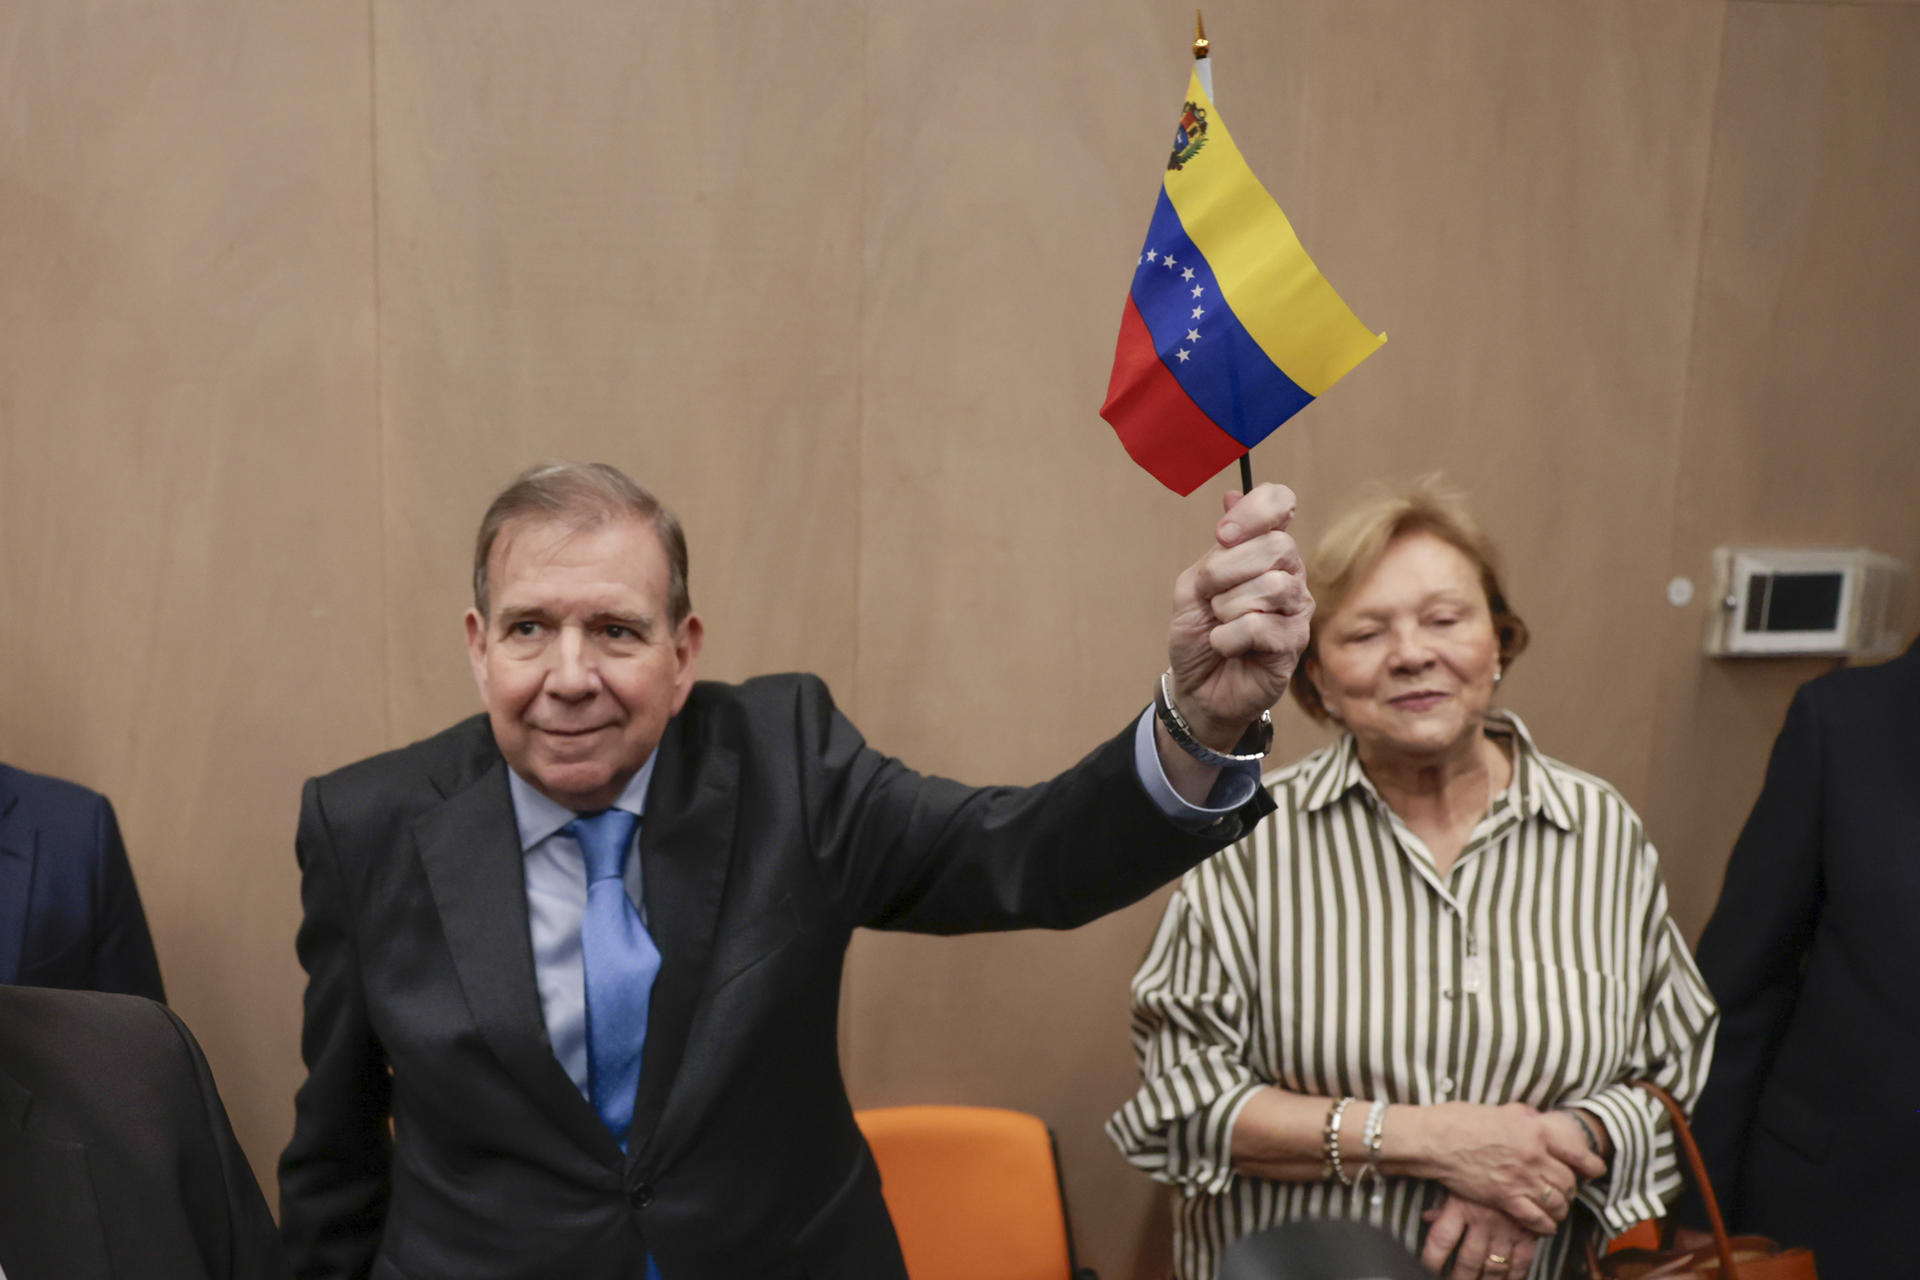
(974,1193)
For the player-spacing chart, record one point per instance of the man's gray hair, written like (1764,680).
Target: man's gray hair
(582,494)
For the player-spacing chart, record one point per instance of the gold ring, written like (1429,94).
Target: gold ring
(1496,1260)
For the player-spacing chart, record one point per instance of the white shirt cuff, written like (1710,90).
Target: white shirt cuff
(1234,787)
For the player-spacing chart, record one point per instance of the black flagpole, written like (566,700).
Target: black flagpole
(1246,473)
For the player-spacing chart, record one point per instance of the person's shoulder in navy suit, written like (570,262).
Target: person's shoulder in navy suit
(1807,1123)
(70,914)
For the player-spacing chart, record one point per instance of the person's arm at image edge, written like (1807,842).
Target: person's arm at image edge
(123,956)
(335,1172)
(1751,950)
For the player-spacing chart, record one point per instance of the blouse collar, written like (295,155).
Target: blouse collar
(1533,786)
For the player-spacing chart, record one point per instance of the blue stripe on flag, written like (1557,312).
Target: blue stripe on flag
(1228,374)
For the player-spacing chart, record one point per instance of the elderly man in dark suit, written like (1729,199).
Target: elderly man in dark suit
(1810,1122)
(69,912)
(586,949)
(116,1158)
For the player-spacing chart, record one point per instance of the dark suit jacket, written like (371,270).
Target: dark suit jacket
(69,913)
(1809,1121)
(116,1158)
(771,831)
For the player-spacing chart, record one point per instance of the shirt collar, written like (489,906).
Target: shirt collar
(1533,782)
(539,816)
(1533,777)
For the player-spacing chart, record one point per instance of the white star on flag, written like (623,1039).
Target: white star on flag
(1193,335)
(1150,255)
(1187,274)
(1182,354)
(1199,289)
(1169,261)
(1198,312)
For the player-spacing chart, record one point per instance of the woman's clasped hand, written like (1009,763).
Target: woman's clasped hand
(1511,1174)
(1526,1164)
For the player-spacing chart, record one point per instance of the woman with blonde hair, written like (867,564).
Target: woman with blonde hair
(1419,992)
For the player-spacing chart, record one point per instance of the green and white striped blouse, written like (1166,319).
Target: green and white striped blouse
(1324,954)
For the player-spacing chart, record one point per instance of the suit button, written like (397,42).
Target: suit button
(641,1196)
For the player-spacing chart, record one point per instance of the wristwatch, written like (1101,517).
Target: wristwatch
(1253,744)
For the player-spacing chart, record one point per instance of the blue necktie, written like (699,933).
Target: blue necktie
(621,963)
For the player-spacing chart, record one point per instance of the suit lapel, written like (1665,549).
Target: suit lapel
(49,1221)
(16,881)
(686,844)
(471,850)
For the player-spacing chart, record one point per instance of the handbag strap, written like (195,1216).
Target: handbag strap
(1698,1168)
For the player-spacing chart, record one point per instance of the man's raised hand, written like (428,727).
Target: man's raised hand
(1240,617)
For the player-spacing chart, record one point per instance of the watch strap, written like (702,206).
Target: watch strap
(1252,747)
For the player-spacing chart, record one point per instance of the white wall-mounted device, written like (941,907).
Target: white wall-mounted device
(1838,603)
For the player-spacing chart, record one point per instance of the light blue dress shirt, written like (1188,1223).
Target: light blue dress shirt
(1234,787)
(556,879)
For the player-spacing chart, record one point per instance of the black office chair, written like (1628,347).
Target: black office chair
(1320,1251)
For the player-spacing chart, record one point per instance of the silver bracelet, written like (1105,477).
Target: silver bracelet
(1259,738)
(1333,1141)
(1374,1136)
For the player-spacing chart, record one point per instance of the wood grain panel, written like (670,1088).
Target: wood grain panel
(1015,564)
(1800,417)
(628,233)
(1512,191)
(189,500)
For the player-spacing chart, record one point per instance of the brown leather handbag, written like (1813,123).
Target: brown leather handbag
(1727,1258)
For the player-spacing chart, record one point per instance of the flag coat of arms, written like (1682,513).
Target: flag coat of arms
(1229,328)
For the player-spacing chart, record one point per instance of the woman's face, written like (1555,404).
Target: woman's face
(1408,661)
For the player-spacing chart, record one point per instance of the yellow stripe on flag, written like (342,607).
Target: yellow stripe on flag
(1281,298)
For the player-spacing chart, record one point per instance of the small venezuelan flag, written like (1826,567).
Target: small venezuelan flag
(1229,328)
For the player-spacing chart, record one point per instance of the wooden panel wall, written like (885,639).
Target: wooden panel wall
(1802,419)
(190,547)
(627,233)
(288,291)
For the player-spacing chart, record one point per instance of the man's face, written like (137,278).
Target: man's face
(579,667)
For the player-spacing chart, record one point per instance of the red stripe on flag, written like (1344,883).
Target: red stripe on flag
(1156,419)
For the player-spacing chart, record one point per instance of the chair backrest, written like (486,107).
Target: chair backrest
(974,1192)
(1320,1249)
